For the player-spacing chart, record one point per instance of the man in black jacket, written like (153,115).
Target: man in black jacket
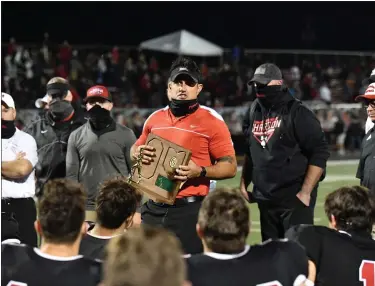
(286,155)
(51,131)
(366,167)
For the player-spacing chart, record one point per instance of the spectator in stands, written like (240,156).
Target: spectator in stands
(224,225)
(61,214)
(344,253)
(116,204)
(145,256)
(52,130)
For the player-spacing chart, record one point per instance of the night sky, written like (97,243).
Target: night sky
(271,25)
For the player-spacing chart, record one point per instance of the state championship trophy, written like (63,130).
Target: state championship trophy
(157,178)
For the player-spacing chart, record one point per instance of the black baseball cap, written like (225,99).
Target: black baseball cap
(183,70)
(370,79)
(266,73)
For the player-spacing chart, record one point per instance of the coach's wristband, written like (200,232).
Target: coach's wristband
(309,283)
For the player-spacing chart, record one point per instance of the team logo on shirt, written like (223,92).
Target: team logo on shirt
(264,129)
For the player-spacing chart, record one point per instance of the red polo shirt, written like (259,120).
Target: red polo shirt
(204,132)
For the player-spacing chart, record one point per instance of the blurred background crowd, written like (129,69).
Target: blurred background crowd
(137,81)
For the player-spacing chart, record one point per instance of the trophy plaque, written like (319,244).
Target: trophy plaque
(156,179)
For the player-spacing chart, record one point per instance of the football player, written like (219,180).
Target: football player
(223,226)
(116,204)
(344,253)
(60,223)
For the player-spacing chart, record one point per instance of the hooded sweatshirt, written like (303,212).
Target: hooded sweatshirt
(281,146)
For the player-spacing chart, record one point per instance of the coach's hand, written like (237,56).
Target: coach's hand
(192,170)
(304,197)
(148,153)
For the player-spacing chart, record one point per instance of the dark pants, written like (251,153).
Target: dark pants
(276,218)
(24,211)
(180,218)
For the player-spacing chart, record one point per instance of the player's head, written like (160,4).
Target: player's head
(224,221)
(144,256)
(116,203)
(61,212)
(185,79)
(350,209)
(58,88)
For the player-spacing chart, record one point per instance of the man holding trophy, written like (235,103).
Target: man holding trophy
(182,147)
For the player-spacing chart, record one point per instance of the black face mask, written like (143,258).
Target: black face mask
(8,128)
(270,95)
(183,107)
(60,113)
(100,117)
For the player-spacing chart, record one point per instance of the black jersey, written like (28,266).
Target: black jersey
(93,246)
(23,265)
(341,258)
(273,263)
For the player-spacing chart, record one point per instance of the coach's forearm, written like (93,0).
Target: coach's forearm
(16,169)
(312,178)
(225,168)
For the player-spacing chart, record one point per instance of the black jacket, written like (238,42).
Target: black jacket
(366,167)
(52,147)
(293,139)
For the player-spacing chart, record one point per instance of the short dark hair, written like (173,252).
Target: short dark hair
(61,210)
(153,253)
(186,62)
(224,219)
(352,207)
(116,202)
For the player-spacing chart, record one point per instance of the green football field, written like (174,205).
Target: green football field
(339,174)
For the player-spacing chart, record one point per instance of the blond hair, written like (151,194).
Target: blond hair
(144,256)
(57,80)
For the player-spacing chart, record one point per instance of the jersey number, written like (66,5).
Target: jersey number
(367,273)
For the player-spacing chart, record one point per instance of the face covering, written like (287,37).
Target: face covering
(8,128)
(270,95)
(183,107)
(100,117)
(59,114)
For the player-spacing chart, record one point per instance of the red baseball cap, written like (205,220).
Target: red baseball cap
(369,94)
(98,91)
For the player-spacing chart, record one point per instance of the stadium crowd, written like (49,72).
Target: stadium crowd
(137,78)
